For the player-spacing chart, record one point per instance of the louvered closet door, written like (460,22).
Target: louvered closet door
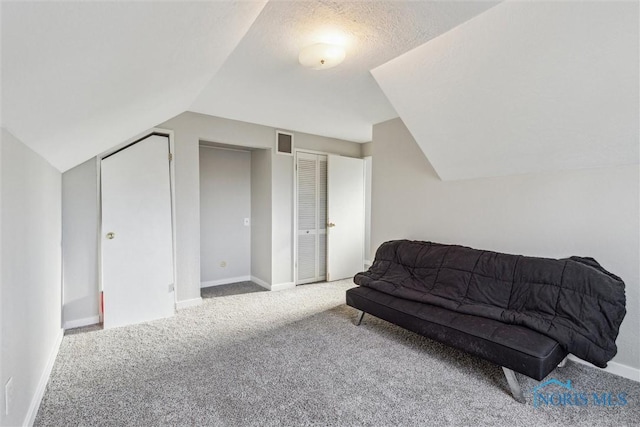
(311,217)
(322,217)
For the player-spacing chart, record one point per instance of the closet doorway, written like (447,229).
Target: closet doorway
(235,214)
(311,230)
(137,271)
(329,217)
(225,214)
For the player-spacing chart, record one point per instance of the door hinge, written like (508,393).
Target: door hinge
(171,287)
(170,156)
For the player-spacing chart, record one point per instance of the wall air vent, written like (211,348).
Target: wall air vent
(284,143)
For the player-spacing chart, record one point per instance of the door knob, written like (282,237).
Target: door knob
(331,225)
(111,235)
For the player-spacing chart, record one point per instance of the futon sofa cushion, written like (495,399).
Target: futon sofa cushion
(574,301)
(514,347)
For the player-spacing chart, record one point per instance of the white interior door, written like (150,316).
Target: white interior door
(136,238)
(345,206)
(311,233)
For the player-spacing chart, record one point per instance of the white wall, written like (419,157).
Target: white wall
(327,145)
(261,216)
(2,376)
(282,220)
(368,255)
(366,153)
(525,87)
(80,228)
(31,276)
(590,212)
(191,128)
(225,200)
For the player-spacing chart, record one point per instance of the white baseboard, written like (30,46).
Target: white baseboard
(260,282)
(78,323)
(283,286)
(181,305)
(276,287)
(613,368)
(44,379)
(225,281)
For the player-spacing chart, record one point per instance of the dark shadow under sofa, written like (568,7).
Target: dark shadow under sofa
(525,314)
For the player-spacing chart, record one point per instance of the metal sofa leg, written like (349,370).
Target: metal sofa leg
(563,363)
(513,384)
(360,318)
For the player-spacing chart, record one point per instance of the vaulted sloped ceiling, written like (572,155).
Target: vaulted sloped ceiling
(81,77)
(525,87)
(263,83)
(485,90)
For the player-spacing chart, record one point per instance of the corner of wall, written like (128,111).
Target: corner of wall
(261,282)
(44,379)
(366,149)
(588,212)
(31,253)
(615,368)
(193,302)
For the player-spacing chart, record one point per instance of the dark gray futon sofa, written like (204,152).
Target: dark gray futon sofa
(525,314)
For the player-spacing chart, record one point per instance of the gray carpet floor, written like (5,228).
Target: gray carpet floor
(231,289)
(294,358)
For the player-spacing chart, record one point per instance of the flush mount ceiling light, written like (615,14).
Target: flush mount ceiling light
(321,56)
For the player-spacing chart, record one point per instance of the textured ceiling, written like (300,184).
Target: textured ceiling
(81,77)
(525,87)
(517,88)
(263,83)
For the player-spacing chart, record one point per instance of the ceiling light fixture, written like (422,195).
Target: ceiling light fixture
(321,56)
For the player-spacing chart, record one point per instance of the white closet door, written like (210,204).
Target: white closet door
(311,210)
(345,206)
(137,241)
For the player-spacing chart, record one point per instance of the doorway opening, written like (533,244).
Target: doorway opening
(329,217)
(233,214)
(311,230)
(137,276)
